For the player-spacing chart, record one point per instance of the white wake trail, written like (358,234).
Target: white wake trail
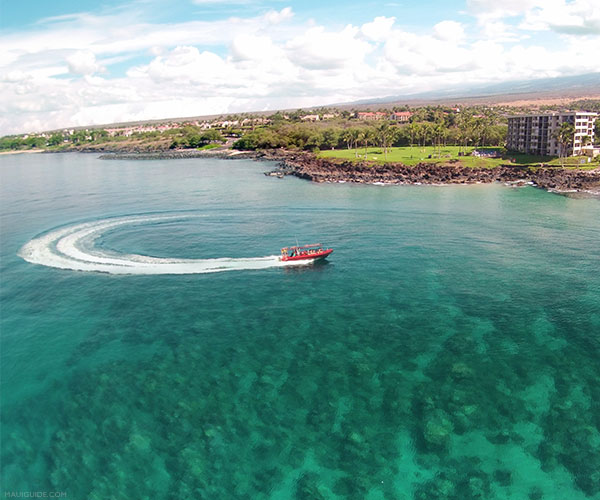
(73,248)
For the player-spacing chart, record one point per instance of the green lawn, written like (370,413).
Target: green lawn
(212,145)
(429,154)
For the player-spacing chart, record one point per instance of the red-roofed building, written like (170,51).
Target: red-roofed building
(401,116)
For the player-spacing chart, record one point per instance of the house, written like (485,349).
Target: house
(536,133)
(255,121)
(401,116)
(371,116)
(310,118)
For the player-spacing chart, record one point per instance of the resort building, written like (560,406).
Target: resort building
(401,116)
(536,133)
(371,115)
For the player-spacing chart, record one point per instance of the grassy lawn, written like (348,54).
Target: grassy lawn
(209,146)
(428,154)
(573,161)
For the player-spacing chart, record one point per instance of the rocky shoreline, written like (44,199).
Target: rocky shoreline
(177,154)
(552,179)
(309,167)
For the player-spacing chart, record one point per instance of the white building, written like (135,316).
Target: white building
(535,134)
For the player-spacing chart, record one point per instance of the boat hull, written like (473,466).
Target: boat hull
(307,257)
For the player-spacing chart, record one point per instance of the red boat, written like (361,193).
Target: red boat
(312,252)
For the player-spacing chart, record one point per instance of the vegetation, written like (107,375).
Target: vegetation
(586,105)
(183,137)
(431,126)
(191,137)
(411,155)
(13,142)
(564,136)
(453,155)
(432,133)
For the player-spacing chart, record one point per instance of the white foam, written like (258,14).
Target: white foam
(73,248)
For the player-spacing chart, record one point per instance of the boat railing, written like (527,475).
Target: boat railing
(303,247)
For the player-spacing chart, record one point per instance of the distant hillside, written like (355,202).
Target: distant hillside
(523,93)
(564,86)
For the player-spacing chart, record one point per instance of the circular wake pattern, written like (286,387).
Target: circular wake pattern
(73,248)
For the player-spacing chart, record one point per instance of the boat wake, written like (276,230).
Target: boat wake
(73,248)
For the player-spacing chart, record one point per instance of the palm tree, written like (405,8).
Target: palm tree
(428,133)
(564,135)
(416,131)
(385,135)
(488,123)
(366,136)
(442,134)
(465,128)
(585,141)
(351,135)
(412,131)
(438,131)
(347,137)
(355,137)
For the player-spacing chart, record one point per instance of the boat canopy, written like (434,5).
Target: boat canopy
(302,248)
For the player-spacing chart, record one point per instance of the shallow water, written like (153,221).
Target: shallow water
(449,348)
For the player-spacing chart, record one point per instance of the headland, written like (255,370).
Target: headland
(311,167)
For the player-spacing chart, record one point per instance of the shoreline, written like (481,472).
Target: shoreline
(307,166)
(23,151)
(551,179)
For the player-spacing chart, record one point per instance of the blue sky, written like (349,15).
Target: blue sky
(17,15)
(66,63)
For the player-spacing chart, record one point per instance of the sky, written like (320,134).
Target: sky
(90,62)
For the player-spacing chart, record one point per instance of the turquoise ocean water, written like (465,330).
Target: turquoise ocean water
(449,349)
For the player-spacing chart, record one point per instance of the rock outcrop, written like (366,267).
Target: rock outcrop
(308,166)
(315,169)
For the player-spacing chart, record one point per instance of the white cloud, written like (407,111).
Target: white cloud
(574,17)
(254,47)
(506,8)
(579,17)
(15,76)
(449,31)
(53,76)
(427,55)
(320,49)
(277,17)
(379,29)
(499,31)
(83,62)
(187,65)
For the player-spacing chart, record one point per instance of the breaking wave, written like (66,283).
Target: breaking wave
(72,247)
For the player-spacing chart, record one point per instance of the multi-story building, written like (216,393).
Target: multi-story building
(536,134)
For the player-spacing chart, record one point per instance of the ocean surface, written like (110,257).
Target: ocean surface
(152,347)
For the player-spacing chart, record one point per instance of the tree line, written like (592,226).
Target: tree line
(185,137)
(55,139)
(436,130)
(436,126)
